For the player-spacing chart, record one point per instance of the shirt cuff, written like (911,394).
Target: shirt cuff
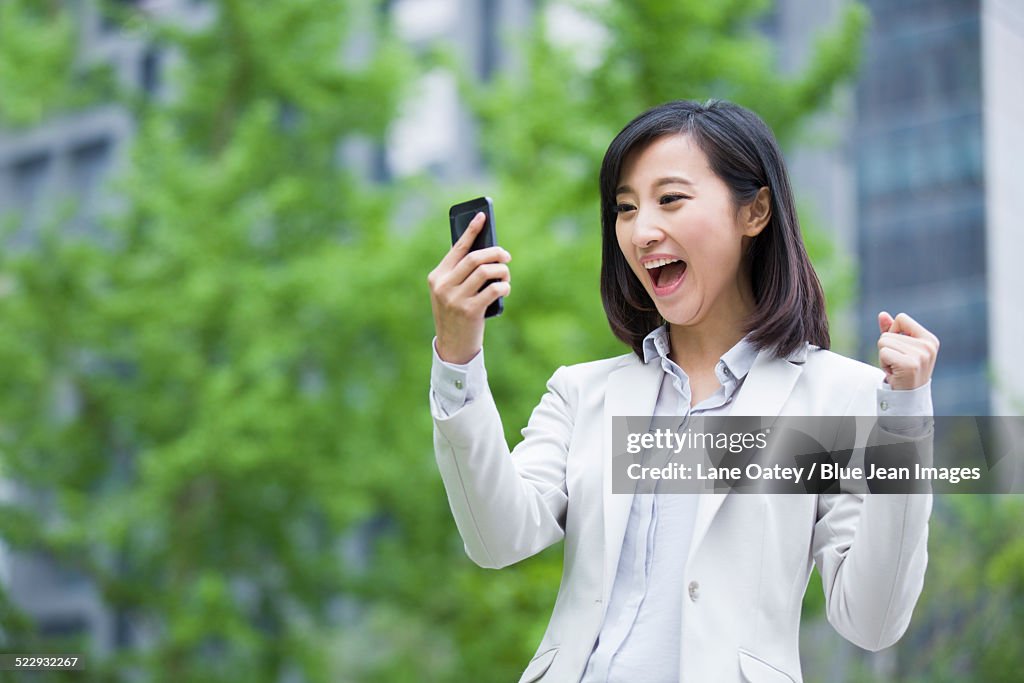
(896,406)
(453,385)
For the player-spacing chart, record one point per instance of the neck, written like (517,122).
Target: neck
(696,348)
(699,348)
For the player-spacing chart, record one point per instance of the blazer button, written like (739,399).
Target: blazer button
(694,590)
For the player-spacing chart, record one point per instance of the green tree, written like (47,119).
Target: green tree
(186,399)
(35,60)
(968,623)
(244,467)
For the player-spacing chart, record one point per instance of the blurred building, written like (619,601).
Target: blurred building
(820,161)
(916,182)
(1002,53)
(934,143)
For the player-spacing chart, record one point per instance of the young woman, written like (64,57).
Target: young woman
(706,278)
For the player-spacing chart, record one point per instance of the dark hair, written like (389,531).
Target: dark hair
(741,150)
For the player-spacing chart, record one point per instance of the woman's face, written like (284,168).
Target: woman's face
(681,234)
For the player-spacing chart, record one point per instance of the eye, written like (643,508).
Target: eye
(623,207)
(669,198)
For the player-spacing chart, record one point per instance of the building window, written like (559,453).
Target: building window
(29,176)
(419,21)
(88,167)
(149,72)
(113,13)
(63,626)
(488,38)
(433,108)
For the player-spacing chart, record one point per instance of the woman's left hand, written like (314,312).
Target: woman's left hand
(906,351)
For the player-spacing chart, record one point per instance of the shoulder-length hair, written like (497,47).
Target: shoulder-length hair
(741,150)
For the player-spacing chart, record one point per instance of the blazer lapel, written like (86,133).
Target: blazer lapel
(632,390)
(767,386)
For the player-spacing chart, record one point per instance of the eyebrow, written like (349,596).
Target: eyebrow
(669,180)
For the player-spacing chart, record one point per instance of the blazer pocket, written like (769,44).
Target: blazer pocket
(756,670)
(538,666)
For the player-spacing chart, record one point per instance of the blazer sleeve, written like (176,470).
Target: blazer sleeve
(871,550)
(507,505)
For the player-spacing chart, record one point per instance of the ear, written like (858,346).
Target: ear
(756,215)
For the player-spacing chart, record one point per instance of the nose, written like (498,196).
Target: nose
(646,230)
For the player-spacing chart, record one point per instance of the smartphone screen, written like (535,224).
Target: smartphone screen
(459,217)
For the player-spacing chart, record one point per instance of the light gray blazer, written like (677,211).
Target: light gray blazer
(751,554)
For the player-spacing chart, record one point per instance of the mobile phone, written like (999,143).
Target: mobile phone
(460,216)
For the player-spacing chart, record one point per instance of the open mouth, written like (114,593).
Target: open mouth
(666,274)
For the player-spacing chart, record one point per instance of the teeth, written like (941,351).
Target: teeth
(658,263)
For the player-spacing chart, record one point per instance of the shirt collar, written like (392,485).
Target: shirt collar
(655,344)
(738,360)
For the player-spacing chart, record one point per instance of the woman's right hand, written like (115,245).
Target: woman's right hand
(455,295)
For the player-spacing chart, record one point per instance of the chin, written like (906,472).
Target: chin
(675,315)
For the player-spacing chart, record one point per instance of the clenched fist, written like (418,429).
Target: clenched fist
(906,351)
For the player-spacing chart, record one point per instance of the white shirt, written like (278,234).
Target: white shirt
(639,639)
